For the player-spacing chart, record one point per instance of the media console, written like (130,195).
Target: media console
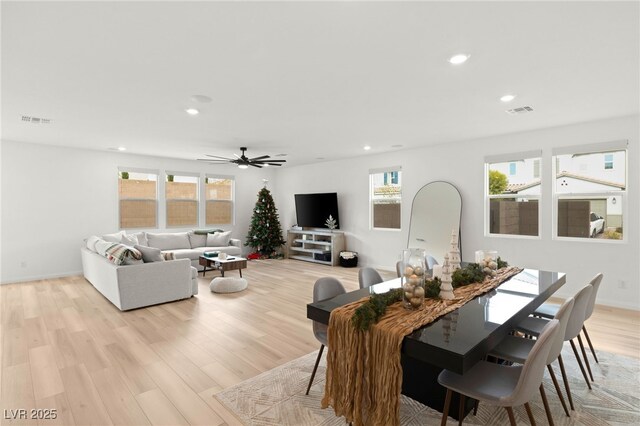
(315,246)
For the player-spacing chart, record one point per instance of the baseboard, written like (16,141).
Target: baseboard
(40,277)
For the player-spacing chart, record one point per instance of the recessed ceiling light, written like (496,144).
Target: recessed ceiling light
(243,166)
(192,111)
(367,147)
(507,98)
(203,99)
(458,59)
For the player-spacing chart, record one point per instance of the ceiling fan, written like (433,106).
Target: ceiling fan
(243,161)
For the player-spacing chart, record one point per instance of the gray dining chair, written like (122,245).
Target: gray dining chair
(324,288)
(368,276)
(399,270)
(546,310)
(517,349)
(532,326)
(502,385)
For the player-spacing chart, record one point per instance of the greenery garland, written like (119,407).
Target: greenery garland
(370,312)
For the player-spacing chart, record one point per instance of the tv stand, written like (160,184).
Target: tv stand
(315,246)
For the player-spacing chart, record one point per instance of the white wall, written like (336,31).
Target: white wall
(53,198)
(462,164)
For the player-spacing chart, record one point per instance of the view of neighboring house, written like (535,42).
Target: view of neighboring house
(585,183)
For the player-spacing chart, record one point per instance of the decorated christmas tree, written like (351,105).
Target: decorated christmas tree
(265,233)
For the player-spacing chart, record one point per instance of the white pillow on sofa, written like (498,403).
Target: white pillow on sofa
(91,243)
(114,238)
(150,254)
(129,240)
(219,239)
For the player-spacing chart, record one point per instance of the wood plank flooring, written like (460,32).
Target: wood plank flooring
(65,347)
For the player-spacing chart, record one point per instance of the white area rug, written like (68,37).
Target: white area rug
(277,397)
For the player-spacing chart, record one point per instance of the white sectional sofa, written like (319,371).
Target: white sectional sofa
(134,283)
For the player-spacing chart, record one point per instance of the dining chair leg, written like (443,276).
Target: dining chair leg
(546,405)
(512,418)
(315,367)
(530,414)
(559,392)
(584,373)
(584,355)
(566,382)
(593,351)
(445,411)
(461,410)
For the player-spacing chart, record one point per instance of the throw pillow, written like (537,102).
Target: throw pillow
(102,246)
(91,242)
(219,239)
(142,238)
(150,254)
(114,238)
(169,255)
(129,240)
(197,240)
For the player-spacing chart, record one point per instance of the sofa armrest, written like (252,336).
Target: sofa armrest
(236,243)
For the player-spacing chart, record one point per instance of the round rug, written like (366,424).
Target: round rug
(228,284)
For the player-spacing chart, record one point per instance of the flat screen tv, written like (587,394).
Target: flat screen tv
(313,210)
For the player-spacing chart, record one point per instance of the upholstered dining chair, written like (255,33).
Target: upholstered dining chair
(533,326)
(517,349)
(368,276)
(324,288)
(547,310)
(501,385)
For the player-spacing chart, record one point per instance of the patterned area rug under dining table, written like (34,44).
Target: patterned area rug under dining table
(276,397)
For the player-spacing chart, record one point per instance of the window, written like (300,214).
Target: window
(589,198)
(608,161)
(513,194)
(181,194)
(138,198)
(219,200)
(386,198)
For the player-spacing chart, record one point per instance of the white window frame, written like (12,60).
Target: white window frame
(373,172)
(166,200)
(149,172)
(204,198)
(606,147)
(509,158)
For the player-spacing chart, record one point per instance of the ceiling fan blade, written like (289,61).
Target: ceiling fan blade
(239,158)
(274,164)
(255,165)
(216,156)
(262,157)
(271,161)
(212,161)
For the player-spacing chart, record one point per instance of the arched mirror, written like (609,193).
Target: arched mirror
(435,211)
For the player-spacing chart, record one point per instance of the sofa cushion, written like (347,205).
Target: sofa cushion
(175,240)
(192,254)
(219,239)
(197,240)
(118,253)
(150,254)
(142,238)
(114,238)
(102,246)
(129,240)
(91,243)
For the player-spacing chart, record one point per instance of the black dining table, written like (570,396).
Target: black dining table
(460,339)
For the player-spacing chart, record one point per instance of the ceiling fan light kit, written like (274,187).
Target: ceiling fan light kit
(243,162)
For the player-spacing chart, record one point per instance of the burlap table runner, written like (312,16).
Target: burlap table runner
(364,375)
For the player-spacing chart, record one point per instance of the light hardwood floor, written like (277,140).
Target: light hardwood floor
(65,347)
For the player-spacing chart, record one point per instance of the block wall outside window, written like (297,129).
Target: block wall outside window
(219,198)
(138,199)
(181,193)
(386,199)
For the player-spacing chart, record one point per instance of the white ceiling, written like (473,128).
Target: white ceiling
(309,79)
